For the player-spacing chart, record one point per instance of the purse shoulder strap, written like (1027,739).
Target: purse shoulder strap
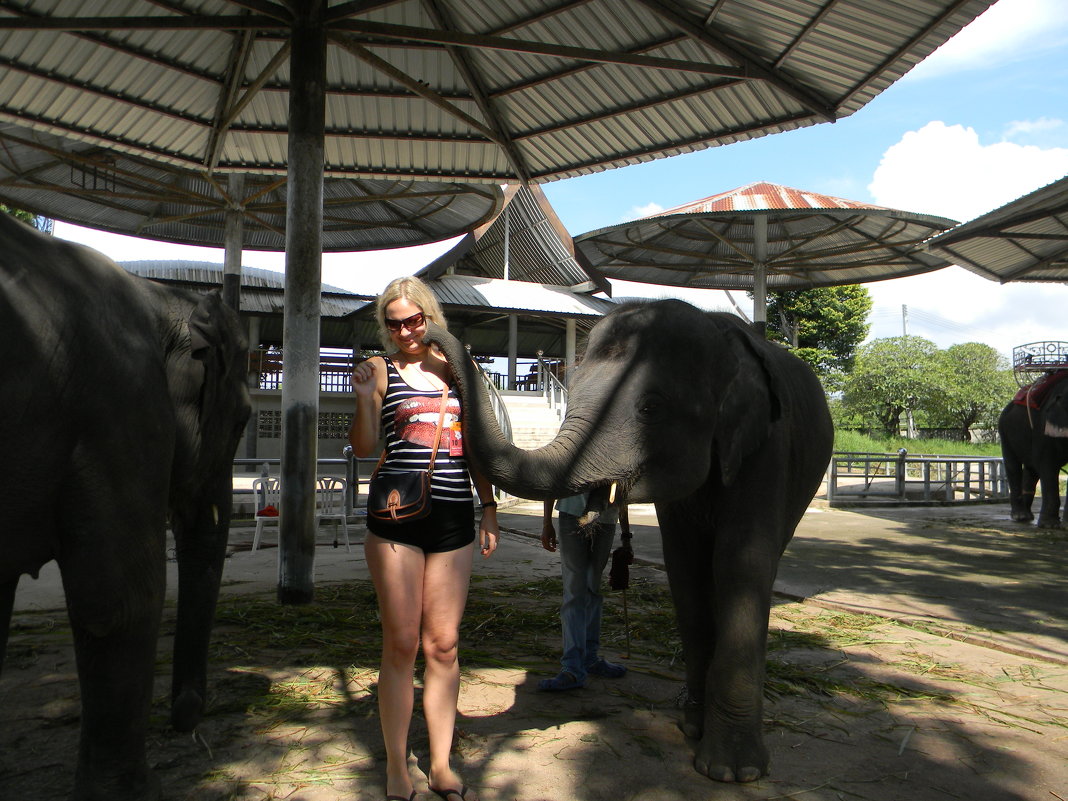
(437,435)
(441,425)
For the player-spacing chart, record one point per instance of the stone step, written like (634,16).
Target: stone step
(534,422)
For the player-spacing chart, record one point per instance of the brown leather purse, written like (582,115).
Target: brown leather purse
(401,497)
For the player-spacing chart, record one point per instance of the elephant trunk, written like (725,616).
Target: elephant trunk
(556,470)
(200,533)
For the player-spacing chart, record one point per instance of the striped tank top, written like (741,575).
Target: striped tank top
(410,419)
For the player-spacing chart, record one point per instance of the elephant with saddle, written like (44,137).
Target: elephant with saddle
(1034,446)
(121,401)
(729,436)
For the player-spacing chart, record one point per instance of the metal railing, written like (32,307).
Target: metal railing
(552,388)
(900,478)
(265,370)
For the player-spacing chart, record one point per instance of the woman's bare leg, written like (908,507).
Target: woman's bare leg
(398,574)
(445,584)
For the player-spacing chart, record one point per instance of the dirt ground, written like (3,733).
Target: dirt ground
(896,671)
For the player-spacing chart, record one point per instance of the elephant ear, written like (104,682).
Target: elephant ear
(216,343)
(749,404)
(205,334)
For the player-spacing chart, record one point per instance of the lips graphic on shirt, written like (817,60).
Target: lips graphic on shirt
(416,420)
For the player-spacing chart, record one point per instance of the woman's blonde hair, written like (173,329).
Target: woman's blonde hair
(410,288)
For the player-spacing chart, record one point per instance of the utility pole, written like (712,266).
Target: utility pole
(910,425)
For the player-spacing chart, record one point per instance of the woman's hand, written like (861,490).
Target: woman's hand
(489,532)
(364,380)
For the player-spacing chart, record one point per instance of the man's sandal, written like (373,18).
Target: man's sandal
(401,797)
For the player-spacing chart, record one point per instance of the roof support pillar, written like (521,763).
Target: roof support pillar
(300,333)
(570,337)
(760,274)
(513,349)
(233,241)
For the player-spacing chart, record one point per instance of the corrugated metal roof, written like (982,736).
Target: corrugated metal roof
(812,240)
(762,195)
(106,189)
(1025,240)
(522,297)
(478,307)
(477,90)
(261,290)
(539,248)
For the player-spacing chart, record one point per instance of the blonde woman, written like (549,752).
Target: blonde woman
(420,569)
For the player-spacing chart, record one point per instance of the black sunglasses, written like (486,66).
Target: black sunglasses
(410,323)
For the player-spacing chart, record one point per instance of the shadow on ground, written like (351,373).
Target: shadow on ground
(858,706)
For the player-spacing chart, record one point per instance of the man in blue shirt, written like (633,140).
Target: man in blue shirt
(583,556)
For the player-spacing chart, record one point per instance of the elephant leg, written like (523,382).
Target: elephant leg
(1049,512)
(1021,480)
(722,606)
(114,596)
(687,559)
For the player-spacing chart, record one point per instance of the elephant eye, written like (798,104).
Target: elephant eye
(649,407)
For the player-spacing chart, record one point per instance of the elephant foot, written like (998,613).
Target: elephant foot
(732,756)
(186,710)
(1049,522)
(1022,517)
(693,720)
(141,785)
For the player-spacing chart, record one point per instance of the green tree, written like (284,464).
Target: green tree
(18,214)
(975,384)
(890,377)
(824,327)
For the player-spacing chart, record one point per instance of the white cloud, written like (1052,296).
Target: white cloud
(945,170)
(1025,128)
(637,212)
(1010,30)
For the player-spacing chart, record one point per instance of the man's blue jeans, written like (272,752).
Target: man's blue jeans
(582,562)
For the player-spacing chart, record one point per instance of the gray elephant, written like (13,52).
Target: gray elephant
(120,400)
(1034,447)
(729,436)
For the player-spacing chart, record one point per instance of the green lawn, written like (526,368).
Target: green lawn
(851,441)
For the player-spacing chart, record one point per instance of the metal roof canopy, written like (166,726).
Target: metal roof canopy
(473,90)
(764,236)
(525,242)
(112,191)
(476,90)
(262,297)
(1025,240)
(477,308)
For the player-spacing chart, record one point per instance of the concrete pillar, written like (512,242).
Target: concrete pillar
(760,273)
(300,338)
(234,240)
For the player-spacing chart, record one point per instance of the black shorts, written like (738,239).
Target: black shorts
(449,526)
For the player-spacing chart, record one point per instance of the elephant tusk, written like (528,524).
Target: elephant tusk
(612,493)
(215,514)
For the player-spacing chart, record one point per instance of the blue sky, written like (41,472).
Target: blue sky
(980,122)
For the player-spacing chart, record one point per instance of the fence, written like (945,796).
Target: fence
(869,478)
(335,370)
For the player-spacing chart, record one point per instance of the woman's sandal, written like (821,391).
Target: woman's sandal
(461,793)
(401,797)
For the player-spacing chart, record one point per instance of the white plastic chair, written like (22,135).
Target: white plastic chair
(267,492)
(330,505)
